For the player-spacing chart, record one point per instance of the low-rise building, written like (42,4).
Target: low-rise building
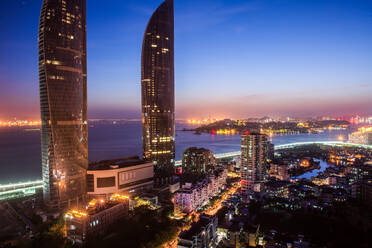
(96,218)
(122,175)
(251,235)
(202,234)
(191,197)
(279,171)
(324,180)
(276,188)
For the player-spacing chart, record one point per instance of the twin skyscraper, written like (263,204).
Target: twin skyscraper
(158,135)
(63,97)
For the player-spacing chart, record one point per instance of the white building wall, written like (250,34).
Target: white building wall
(130,174)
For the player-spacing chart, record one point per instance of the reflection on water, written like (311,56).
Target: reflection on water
(323,165)
(20,150)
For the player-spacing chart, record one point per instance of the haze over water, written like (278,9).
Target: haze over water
(20,149)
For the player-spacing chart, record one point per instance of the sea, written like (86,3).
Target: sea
(20,147)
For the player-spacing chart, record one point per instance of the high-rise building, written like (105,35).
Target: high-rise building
(63,101)
(158,134)
(253,161)
(198,160)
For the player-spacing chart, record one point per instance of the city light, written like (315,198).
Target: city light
(75,214)
(8,189)
(92,203)
(224,132)
(365,130)
(362,136)
(202,122)
(20,123)
(23,184)
(118,196)
(233,174)
(246,196)
(218,204)
(303,124)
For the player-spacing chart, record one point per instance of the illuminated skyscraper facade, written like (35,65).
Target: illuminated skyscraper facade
(63,101)
(158,134)
(253,161)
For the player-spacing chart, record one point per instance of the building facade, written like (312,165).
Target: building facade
(198,160)
(253,161)
(126,175)
(279,171)
(63,101)
(96,219)
(191,197)
(158,130)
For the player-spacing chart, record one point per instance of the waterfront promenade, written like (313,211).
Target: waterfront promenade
(29,188)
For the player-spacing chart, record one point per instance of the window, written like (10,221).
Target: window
(104,182)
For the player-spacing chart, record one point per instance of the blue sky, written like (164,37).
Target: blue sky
(234,58)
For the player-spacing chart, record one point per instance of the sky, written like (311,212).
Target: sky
(233,58)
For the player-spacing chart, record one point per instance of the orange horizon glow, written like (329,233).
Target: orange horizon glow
(19,123)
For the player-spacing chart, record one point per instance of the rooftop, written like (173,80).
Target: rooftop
(116,163)
(96,206)
(196,228)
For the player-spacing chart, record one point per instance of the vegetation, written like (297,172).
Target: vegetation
(344,225)
(51,236)
(145,229)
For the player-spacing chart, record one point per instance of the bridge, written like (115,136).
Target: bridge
(19,189)
(29,188)
(327,143)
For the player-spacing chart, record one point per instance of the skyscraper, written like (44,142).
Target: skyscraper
(253,161)
(63,101)
(158,133)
